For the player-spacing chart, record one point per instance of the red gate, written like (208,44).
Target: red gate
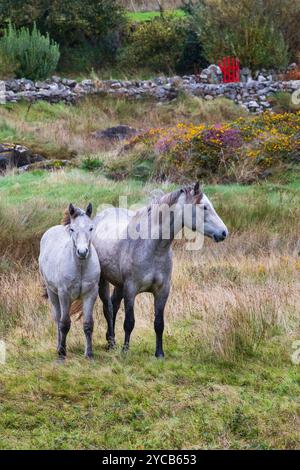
(230,67)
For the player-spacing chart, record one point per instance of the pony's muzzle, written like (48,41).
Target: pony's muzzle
(82,253)
(220,237)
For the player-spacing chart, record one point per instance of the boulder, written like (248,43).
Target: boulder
(17,156)
(245,74)
(4,162)
(49,165)
(120,132)
(212,74)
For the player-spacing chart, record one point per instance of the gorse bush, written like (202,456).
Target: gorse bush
(243,150)
(33,55)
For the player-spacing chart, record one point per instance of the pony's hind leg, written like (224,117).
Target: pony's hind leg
(116,300)
(104,295)
(64,324)
(88,322)
(129,297)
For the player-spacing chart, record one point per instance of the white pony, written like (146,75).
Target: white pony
(70,269)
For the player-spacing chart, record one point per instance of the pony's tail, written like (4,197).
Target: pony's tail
(77,309)
(44,291)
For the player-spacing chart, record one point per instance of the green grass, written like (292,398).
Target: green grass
(139,16)
(136,402)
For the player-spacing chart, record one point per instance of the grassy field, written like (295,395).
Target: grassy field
(149,15)
(227,381)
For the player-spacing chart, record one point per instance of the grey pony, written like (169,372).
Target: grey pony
(134,266)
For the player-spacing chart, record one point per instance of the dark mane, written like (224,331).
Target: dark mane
(171,198)
(66,220)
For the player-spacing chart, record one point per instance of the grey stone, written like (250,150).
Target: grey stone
(120,132)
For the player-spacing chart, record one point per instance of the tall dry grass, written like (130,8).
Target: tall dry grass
(226,301)
(229,298)
(59,129)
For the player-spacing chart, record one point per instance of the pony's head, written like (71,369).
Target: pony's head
(80,227)
(203,217)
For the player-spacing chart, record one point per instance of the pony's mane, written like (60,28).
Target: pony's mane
(169,199)
(66,220)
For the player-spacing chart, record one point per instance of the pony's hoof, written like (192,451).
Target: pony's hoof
(90,357)
(125,349)
(111,345)
(159,356)
(60,360)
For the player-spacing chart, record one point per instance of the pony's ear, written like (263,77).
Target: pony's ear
(72,210)
(89,210)
(197,189)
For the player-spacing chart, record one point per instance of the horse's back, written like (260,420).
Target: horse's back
(110,223)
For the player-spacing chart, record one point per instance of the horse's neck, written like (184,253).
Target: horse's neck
(163,228)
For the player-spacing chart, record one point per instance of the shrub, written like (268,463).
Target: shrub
(243,150)
(248,29)
(157,44)
(192,58)
(7,67)
(91,164)
(74,24)
(33,55)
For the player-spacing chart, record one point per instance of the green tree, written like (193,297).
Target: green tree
(157,45)
(248,29)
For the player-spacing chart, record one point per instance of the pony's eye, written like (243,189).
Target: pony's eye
(205,208)
(71,230)
(91,229)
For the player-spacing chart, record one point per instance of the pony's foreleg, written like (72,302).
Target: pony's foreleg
(104,295)
(160,300)
(88,322)
(64,323)
(116,300)
(129,297)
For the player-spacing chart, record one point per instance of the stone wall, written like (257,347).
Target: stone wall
(251,95)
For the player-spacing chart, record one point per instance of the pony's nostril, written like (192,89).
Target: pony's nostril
(83,253)
(224,234)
